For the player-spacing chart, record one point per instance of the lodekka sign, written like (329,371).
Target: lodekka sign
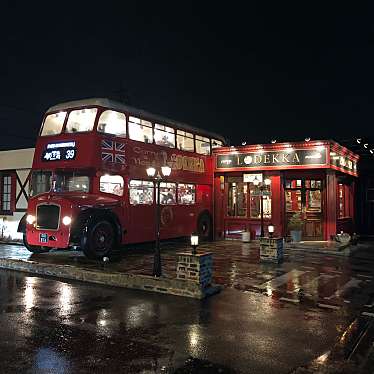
(304,157)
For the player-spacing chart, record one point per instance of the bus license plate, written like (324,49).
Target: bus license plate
(43,238)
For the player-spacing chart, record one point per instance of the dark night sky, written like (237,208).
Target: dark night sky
(266,71)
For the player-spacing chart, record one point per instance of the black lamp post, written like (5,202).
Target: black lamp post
(157,178)
(262,186)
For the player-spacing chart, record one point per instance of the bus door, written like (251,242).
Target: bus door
(141,212)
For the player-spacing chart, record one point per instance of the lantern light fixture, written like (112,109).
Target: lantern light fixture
(151,171)
(194,242)
(166,170)
(271,230)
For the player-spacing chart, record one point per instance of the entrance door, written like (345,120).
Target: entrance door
(304,196)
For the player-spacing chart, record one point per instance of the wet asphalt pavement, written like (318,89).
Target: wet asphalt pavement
(270,318)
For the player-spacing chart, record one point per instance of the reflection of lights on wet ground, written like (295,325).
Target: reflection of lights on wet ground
(29,296)
(136,314)
(49,361)
(269,290)
(322,359)
(194,337)
(66,294)
(233,272)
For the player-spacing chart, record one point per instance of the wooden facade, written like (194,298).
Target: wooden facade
(315,179)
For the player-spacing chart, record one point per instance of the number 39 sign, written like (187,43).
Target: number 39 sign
(59,152)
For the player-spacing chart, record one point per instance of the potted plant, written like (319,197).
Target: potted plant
(295,226)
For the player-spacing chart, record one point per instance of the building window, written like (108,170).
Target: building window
(112,122)
(7,193)
(53,124)
(140,192)
(81,120)
(343,201)
(185,141)
(111,184)
(255,201)
(186,194)
(237,198)
(202,145)
(164,136)
(168,194)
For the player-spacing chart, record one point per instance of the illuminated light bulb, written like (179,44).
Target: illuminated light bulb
(371,151)
(358,140)
(366,145)
(273,141)
(244,143)
(307,139)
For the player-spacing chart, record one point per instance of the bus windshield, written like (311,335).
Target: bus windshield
(71,182)
(40,182)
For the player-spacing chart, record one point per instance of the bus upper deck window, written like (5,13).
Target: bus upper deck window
(164,136)
(185,141)
(81,120)
(202,145)
(140,130)
(216,143)
(112,122)
(53,124)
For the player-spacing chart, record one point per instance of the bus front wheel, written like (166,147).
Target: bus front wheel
(99,240)
(34,248)
(204,226)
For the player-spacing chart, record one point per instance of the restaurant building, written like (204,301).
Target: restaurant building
(315,179)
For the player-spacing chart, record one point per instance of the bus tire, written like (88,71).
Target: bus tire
(204,226)
(99,239)
(34,248)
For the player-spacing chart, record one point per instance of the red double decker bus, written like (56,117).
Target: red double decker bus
(89,185)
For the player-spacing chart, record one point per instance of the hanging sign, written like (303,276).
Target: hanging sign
(297,157)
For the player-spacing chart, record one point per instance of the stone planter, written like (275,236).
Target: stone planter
(271,249)
(296,235)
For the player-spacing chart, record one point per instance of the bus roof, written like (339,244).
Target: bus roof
(110,104)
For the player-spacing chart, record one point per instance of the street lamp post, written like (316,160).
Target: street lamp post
(262,186)
(157,178)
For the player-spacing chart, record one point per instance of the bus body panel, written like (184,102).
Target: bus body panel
(97,155)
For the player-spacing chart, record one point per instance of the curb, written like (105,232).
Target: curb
(172,286)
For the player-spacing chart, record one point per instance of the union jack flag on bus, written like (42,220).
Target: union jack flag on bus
(112,151)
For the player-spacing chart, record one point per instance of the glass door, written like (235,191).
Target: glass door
(304,196)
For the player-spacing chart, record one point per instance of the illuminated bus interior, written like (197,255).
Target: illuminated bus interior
(122,125)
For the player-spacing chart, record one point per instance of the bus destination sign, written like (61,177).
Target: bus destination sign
(62,151)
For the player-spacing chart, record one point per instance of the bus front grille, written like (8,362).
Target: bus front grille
(47,217)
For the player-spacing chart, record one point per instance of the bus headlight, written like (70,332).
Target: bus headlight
(66,220)
(30,219)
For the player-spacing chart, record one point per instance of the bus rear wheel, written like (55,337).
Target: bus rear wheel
(34,248)
(99,240)
(204,227)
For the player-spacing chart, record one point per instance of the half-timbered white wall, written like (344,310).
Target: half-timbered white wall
(18,163)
